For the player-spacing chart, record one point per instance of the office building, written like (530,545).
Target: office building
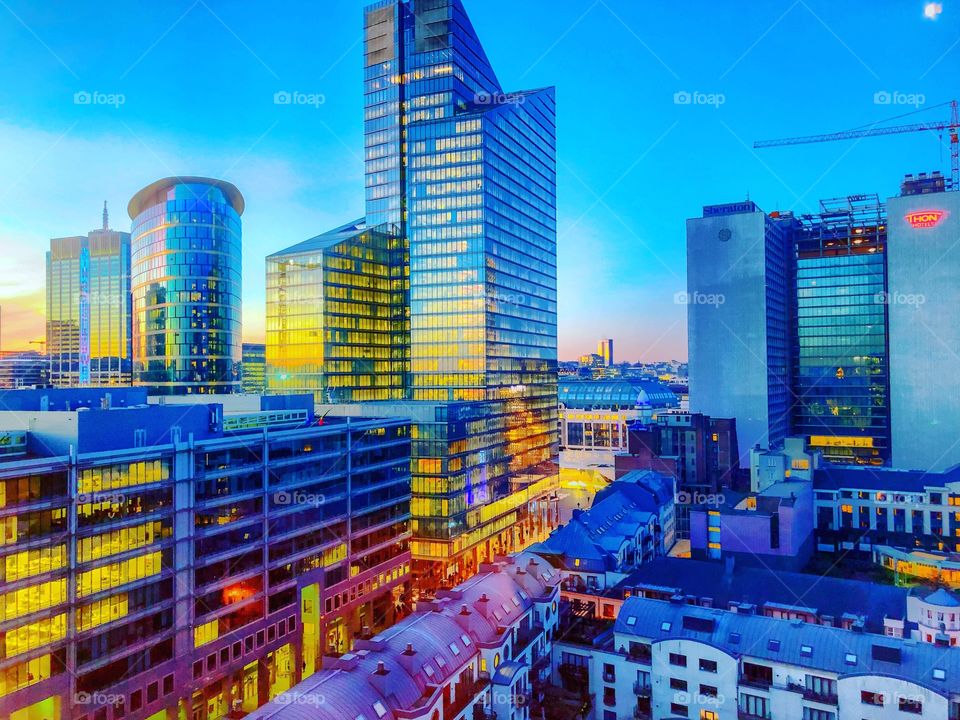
(699,452)
(445,292)
(24,369)
(738,304)
(253,369)
(479,651)
(870,285)
(186,254)
(183,560)
(605,350)
(923,264)
(89,330)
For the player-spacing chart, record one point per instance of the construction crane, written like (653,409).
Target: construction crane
(951,126)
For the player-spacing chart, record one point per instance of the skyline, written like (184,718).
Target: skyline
(621,237)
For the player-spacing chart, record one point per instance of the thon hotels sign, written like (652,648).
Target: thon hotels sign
(924,218)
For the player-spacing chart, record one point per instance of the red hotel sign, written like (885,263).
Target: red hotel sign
(924,218)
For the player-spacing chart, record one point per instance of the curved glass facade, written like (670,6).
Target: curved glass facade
(185,252)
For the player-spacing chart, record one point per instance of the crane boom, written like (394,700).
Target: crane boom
(952,126)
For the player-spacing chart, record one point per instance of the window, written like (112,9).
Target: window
(678,659)
(850,659)
(912,705)
(734,638)
(708,691)
(678,710)
(609,696)
(197,669)
(153,692)
(708,715)
(609,673)
(379,709)
(665,627)
(678,684)
(773,645)
(709,666)
(871,698)
(939,674)
(806,651)
(167,684)
(753,705)
(631,620)
(810,713)
(136,700)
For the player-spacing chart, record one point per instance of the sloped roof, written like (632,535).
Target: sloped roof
(630,392)
(325,240)
(844,652)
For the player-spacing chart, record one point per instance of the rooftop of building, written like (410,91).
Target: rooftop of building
(609,392)
(149,195)
(730,582)
(325,240)
(837,477)
(407,665)
(846,652)
(590,541)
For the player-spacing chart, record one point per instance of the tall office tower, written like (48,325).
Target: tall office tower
(190,559)
(924,264)
(460,184)
(89,308)
(605,350)
(337,316)
(253,369)
(738,304)
(840,367)
(186,286)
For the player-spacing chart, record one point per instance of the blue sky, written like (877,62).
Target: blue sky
(197,80)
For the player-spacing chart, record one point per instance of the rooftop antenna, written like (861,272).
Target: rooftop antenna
(106,217)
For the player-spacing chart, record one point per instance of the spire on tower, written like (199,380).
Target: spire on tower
(106,217)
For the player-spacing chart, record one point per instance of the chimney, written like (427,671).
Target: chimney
(408,660)
(379,679)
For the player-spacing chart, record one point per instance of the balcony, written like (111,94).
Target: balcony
(744,715)
(465,693)
(758,682)
(640,714)
(641,689)
(820,697)
(526,636)
(644,657)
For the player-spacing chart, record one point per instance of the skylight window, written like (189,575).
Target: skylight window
(665,626)
(516,601)
(734,638)
(440,661)
(428,670)
(497,614)
(454,649)
(806,651)
(506,608)
(939,674)
(379,709)
(631,620)
(773,645)
(523,595)
(850,659)
(465,639)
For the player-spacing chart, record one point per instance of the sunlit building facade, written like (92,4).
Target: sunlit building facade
(181,560)
(461,198)
(186,286)
(88,302)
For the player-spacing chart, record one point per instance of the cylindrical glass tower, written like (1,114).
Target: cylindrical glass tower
(185,258)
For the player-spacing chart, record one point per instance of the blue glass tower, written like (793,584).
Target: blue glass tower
(185,248)
(463,174)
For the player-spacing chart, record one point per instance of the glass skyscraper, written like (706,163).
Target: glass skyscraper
(461,194)
(840,357)
(89,332)
(186,286)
